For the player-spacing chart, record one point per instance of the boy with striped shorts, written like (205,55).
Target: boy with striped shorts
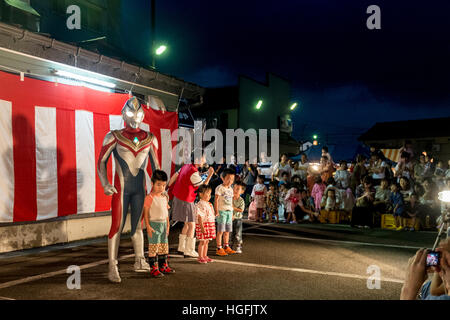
(156,216)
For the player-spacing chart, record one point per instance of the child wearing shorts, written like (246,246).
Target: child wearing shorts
(238,209)
(223,205)
(156,216)
(206,225)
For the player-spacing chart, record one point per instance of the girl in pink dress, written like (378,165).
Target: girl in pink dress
(206,224)
(259,196)
(292,199)
(317,192)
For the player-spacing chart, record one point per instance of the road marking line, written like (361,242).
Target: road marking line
(374,262)
(55,273)
(327,273)
(333,241)
(94,264)
(256,226)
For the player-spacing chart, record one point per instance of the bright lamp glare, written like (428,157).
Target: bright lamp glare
(160,50)
(444,196)
(258,106)
(294,106)
(84,78)
(315,167)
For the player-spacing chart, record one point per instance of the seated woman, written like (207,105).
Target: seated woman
(405,188)
(305,208)
(412,211)
(382,194)
(429,201)
(362,214)
(418,189)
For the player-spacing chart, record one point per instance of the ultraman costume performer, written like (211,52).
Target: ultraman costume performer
(132,148)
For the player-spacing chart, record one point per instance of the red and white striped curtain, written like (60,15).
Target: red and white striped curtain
(51,136)
(392,154)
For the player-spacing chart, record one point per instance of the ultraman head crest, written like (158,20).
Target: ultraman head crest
(132,113)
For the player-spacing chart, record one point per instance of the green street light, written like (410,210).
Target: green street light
(161,50)
(294,105)
(258,106)
(315,136)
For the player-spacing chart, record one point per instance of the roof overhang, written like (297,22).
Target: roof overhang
(23,6)
(39,56)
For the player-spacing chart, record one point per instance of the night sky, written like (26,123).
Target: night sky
(345,76)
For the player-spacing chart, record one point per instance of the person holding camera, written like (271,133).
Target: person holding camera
(416,285)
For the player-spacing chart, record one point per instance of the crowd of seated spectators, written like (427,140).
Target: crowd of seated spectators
(362,191)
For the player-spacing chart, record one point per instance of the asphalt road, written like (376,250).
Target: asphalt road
(279,262)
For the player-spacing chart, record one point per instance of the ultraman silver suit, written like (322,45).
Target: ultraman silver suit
(132,148)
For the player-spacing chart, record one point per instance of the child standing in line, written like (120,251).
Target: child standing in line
(223,205)
(272,201)
(282,201)
(317,192)
(238,209)
(156,216)
(206,225)
(259,195)
(292,199)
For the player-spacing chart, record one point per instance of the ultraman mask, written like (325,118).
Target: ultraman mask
(132,113)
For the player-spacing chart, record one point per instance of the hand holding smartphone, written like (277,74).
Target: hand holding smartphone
(433,258)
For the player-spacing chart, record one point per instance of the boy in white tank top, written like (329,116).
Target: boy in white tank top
(156,215)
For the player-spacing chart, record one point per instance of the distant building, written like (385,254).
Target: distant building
(251,105)
(426,135)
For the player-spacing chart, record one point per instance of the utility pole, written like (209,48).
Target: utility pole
(153,17)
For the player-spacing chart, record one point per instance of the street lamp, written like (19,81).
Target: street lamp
(444,196)
(259,104)
(293,106)
(161,50)
(315,142)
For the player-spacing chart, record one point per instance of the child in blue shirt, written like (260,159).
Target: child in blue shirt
(398,205)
